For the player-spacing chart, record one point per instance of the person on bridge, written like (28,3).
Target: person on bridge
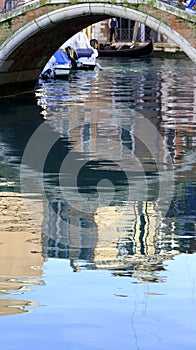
(191,6)
(113,24)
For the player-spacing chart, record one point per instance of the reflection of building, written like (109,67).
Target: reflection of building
(112,236)
(130,233)
(20,253)
(125,232)
(131,229)
(184,211)
(178,118)
(131,239)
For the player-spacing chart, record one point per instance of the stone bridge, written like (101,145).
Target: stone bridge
(30,34)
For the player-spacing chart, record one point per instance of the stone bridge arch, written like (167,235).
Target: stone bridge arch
(26,51)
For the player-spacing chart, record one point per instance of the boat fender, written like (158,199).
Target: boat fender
(46,75)
(98,66)
(72,56)
(94,43)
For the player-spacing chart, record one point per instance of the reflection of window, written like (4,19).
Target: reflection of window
(56,243)
(85,223)
(86,137)
(170,142)
(126,138)
(65,127)
(126,248)
(142,233)
(86,238)
(189,227)
(127,141)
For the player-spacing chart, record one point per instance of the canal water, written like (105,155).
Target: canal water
(98,210)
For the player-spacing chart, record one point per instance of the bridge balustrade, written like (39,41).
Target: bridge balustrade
(10,5)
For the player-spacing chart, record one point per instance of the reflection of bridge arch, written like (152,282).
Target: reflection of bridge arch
(28,47)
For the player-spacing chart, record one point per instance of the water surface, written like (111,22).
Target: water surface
(98,204)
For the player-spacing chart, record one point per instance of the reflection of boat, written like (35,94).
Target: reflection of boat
(125,50)
(58,66)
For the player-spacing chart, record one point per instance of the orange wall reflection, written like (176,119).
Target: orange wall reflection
(20,252)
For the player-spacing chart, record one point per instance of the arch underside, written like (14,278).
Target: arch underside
(23,55)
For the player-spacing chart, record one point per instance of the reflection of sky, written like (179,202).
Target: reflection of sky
(94,310)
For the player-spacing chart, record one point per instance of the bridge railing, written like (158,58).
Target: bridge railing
(10,5)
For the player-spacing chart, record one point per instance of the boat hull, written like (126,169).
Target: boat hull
(85,67)
(61,71)
(137,51)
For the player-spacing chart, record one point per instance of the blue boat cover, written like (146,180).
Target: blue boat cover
(61,57)
(84,52)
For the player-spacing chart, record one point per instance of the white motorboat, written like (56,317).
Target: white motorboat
(76,53)
(58,66)
(80,52)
